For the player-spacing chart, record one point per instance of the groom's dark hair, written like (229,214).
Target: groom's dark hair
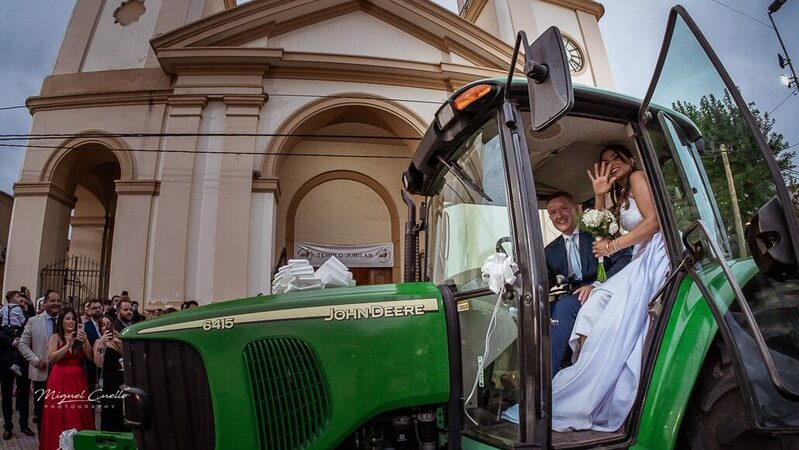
(563,194)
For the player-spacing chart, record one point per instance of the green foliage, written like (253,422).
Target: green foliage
(723,127)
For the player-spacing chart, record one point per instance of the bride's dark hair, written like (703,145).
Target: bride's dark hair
(619,193)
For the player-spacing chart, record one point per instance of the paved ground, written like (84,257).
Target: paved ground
(21,442)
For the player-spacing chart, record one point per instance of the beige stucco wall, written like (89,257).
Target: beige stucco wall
(505,18)
(342,212)
(94,42)
(335,36)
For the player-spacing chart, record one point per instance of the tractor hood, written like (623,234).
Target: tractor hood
(338,304)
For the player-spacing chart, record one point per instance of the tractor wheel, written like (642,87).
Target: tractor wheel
(716,419)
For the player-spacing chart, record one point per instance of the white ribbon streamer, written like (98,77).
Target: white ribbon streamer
(498,270)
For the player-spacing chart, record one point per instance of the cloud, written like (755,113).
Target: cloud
(31,33)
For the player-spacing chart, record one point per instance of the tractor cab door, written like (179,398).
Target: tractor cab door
(726,204)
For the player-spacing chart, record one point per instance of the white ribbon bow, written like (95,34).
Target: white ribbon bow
(499,270)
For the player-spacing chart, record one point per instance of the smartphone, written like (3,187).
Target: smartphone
(80,327)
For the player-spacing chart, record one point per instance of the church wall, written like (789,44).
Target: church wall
(204,197)
(261,255)
(120,47)
(87,226)
(373,38)
(116,119)
(487,19)
(547,14)
(600,65)
(94,42)
(342,212)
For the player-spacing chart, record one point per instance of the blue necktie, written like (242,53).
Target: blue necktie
(574,257)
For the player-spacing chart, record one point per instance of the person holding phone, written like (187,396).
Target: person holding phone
(66,404)
(111,362)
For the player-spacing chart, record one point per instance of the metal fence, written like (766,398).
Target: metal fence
(76,279)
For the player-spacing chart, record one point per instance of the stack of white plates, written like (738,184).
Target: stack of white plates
(334,273)
(297,275)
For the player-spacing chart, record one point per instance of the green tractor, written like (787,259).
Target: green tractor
(435,361)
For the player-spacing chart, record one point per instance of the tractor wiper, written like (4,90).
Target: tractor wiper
(463,177)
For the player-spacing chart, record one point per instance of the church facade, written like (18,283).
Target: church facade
(183,146)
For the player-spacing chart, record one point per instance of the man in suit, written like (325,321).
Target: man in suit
(33,346)
(571,255)
(94,312)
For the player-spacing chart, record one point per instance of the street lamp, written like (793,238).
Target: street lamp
(792,81)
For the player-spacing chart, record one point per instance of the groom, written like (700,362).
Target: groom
(571,256)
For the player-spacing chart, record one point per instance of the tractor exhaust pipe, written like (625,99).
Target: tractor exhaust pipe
(411,239)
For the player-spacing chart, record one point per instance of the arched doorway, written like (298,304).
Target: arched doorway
(85,170)
(343,179)
(347,212)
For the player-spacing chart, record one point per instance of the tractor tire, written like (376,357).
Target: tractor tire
(716,419)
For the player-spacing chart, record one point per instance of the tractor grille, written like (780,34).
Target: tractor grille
(291,400)
(173,376)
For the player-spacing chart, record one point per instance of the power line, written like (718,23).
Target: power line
(743,14)
(12,107)
(212,152)
(793,91)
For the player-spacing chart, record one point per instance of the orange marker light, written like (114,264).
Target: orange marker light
(471,95)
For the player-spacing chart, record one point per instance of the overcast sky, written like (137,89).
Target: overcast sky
(31,32)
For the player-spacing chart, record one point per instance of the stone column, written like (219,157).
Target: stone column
(38,233)
(263,219)
(232,243)
(131,226)
(167,250)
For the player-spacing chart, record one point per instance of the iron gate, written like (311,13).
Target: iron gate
(76,279)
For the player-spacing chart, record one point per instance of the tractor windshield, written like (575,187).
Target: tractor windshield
(470,214)
(466,226)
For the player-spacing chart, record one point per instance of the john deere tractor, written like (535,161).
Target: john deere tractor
(435,362)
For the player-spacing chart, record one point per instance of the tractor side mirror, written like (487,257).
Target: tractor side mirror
(549,81)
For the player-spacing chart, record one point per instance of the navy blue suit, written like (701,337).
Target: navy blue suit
(564,309)
(92,334)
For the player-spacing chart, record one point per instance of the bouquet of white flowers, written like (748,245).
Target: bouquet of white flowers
(601,224)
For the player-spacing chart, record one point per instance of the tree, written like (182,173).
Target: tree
(723,127)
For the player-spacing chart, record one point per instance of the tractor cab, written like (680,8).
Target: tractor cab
(495,152)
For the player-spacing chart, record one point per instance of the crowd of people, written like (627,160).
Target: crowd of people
(71,359)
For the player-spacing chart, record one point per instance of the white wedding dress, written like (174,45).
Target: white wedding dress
(598,391)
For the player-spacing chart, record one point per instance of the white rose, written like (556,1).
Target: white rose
(613,228)
(592,218)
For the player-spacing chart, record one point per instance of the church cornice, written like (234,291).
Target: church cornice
(475,7)
(266,18)
(247,66)
(590,6)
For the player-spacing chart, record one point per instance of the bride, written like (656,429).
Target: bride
(598,391)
